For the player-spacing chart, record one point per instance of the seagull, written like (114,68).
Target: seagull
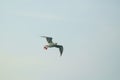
(52,44)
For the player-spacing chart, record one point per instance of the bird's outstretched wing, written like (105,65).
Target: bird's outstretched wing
(60,49)
(49,39)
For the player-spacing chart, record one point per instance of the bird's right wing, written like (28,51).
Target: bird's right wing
(49,39)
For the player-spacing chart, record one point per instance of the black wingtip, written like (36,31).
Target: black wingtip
(60,54)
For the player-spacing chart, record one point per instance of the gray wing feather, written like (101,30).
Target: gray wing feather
(60,49)
(49,39)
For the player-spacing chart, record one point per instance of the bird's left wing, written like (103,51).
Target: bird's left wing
(60,49)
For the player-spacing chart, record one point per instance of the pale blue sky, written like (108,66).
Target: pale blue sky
(89,30)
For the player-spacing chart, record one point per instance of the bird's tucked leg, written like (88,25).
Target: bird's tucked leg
(45,47)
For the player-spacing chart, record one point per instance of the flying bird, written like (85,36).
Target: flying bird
(52,44)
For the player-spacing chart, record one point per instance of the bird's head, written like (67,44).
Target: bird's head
(46,47)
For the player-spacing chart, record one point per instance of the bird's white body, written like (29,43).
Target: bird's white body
(51,44)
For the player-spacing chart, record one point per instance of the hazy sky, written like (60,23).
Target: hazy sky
(89,30)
